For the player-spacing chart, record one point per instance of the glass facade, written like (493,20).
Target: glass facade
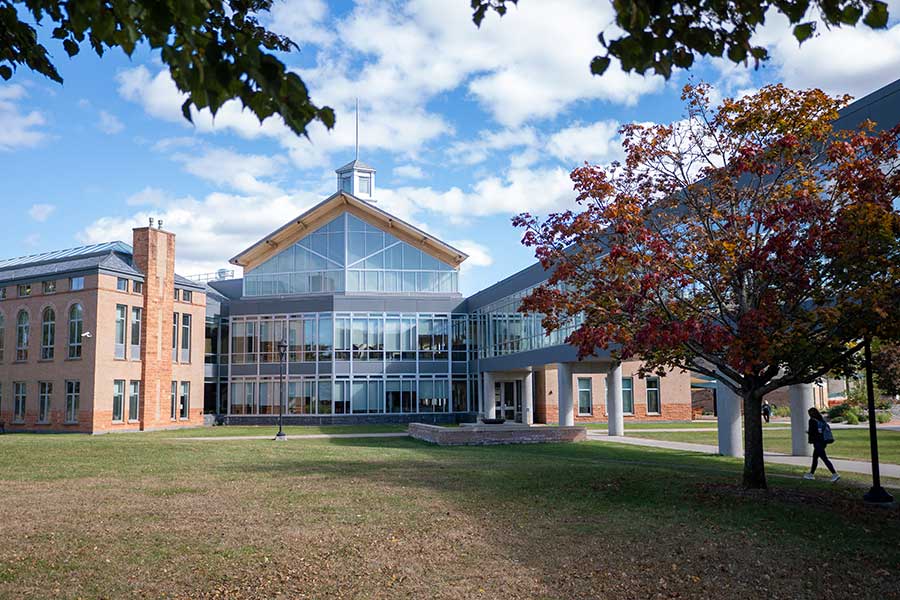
(350,255)
(352,363)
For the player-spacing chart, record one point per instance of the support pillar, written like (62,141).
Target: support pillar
(614,400)
(528,399)
(565,401)
(728,406)
(802,399)
(488,404)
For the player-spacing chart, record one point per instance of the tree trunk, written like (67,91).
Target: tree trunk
(754,463)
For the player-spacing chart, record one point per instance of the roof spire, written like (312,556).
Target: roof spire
(357,128)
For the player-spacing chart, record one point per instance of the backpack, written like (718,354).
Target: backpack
(825,431)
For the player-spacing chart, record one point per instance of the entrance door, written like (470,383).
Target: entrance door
(508,400)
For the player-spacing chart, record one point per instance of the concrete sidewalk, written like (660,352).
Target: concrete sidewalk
(801,462)
(310,436)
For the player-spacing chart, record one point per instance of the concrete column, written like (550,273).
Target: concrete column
(728,407)
(488,407)
(565,400)
(614,400)
(528,399)
(802,399)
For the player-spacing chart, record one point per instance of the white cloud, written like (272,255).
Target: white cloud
(149,196)
(18,129)
(109,123)
(241,172)
(409,172)
(41,212)
(479,254)
(33,240)
(478,150)
(208,231)
(301,20)
(597,143)
(855,60)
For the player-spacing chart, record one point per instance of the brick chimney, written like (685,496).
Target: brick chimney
(154,256)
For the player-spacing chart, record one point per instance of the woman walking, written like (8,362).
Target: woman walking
(819,435)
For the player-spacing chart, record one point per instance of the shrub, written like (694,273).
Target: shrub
(882,417)
(851,418)
(862,415)
(782,411)
(838,411)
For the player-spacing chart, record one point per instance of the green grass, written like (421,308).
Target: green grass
(852,444)
(673,425)
(252,430)
(151,515)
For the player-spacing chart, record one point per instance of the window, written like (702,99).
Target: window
(2,336)
(121,315)
(184,401)
(22,331)
(48,333)
(3,293)
(628,395)
(174,337)
(585,397)
(136,316)
(118,399)
(185,338)
(175,295)
(73,398)
(76,328)
(653,406)
(174,411)
(122,284)
(187,296)
(45,392)
(365,184)
(76,283)
(134,400)
(137,287)
(23,290)
(49,287)
(19,402)
(347,183)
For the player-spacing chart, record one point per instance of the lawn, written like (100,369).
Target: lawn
(244,430)
(849,443)
(673,425)
(150,516)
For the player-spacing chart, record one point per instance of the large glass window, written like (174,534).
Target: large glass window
(118,399)
(134,400)
(23,329)
(323,397)
(73,399)
(341,404)
(76,330)
(121,315)
(185,338)
(174,337)
(45,393)
(243,342)
(301,398)
(184,400)
(48,333)
(268,398)
(458,395)
(628,395)
(653,400)
(433,396)
(585,396)
(19,400)
(326,338)
(137,315)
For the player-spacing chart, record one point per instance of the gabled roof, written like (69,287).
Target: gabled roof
(320,214)
(355,164)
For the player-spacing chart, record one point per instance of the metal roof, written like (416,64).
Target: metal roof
(355,164)
(60,255)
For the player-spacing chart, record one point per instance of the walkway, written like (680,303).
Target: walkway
(850,466)
(305,436)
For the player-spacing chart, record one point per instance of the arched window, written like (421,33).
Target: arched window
(22,333)
(76,328)
(48,333)
(2,336)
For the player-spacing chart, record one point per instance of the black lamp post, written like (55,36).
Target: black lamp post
(282,349)
(876,495)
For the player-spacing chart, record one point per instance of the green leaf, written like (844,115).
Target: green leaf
(804,31)
(70,47)
(599,65)
(877,17)
(5,72)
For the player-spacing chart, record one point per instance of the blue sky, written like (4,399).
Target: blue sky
(466,127)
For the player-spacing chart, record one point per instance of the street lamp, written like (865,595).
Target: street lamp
(877,494)
(282,349)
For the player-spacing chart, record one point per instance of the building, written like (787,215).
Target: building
(101,338)
(375,330)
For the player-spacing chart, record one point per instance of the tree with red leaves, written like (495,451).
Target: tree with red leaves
(750,242)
